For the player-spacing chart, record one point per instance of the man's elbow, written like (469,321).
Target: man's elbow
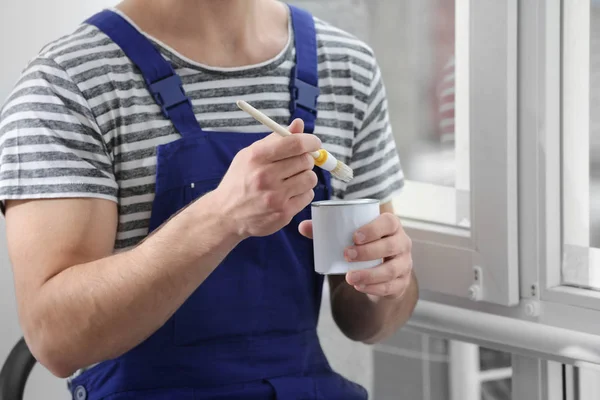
(57,364)
(58,368)
(45,348)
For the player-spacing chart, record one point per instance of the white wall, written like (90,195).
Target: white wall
(26,26)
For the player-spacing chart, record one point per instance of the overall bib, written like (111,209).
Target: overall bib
(249,331)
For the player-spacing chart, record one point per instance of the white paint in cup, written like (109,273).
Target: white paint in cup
(334,224)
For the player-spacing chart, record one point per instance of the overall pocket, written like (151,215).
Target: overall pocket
(294,388)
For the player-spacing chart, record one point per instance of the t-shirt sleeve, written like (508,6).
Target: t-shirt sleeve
(375,161)
(50,144)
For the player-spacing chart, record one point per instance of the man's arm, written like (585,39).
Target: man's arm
(369,318)
(78,304)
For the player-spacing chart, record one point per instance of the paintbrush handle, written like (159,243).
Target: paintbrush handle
(268,122)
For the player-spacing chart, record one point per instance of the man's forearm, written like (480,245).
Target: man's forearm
(99,310)
(366,319)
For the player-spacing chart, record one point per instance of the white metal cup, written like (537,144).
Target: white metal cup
(334,224)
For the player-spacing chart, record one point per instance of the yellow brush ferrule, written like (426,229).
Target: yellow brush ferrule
(319,161)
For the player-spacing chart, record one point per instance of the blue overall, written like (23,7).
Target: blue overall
(249,331)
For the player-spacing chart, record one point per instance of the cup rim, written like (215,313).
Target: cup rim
(340,203)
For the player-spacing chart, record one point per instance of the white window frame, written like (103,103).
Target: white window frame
(575,103)
(480,262)
(553,324)
(551,321)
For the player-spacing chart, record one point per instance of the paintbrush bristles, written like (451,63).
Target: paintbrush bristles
(343,172)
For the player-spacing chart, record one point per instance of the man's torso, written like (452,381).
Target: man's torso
(132,125)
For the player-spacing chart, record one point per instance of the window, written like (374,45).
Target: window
(465,239)
(572,182)
(581,145)
(428,102)
(460,201)
(419,65)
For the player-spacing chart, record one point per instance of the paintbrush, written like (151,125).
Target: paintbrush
(323,158)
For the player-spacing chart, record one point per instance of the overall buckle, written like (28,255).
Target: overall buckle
(168,93)
(303,94)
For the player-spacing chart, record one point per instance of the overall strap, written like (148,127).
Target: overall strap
(304,81)
(161,79)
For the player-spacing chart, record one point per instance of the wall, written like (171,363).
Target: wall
(26,26)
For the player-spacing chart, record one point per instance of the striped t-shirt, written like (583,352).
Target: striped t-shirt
(81,123)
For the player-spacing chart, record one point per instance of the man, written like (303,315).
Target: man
(171,238)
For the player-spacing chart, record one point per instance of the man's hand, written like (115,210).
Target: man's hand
(384,239)
(269,182)
(370,305)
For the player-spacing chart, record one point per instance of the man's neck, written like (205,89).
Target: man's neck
(220,33)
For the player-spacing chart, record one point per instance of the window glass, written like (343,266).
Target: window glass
(581,144)
(496,372)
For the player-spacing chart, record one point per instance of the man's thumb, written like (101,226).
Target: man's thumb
(297,126)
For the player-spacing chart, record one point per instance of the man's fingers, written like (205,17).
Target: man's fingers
(387,247)
(388,271)
(295,145)
(292,166)
(274,147)
(386,224)
(391,289)
(297,126)
(300,183)
(298,203)
(306,229)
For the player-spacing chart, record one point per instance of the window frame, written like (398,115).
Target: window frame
(481,263)
(552,321)
(558,120)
